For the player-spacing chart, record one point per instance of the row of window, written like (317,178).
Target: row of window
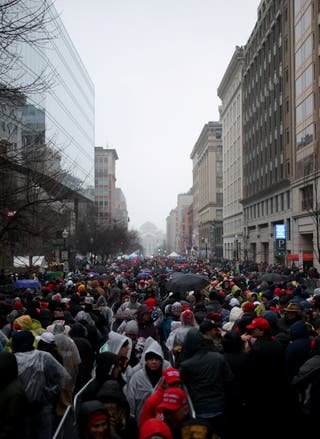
(304,52)
(303,24)
(102,203)
(298,5)
(305,109)
(304,81)
(305,137)
(103,160)
(278,203)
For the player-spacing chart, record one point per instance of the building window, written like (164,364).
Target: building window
(307,197)
(219,214)
(288,199)
(305,137)
(305,109)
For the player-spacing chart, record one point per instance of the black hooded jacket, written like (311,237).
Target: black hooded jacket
(13,401)
(105,364)
(205,373)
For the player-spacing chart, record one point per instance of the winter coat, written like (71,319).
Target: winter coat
(206,374)
(298,351)
(307,385)
(13,400)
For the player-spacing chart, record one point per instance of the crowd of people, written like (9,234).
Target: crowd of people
(129,358)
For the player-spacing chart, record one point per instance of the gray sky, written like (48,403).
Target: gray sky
(156,66)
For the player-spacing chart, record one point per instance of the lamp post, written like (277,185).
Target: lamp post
(236,240)
(65,235)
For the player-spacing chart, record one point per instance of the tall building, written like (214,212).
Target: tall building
(58,109)
(184,201)
(105,185)
(267,122)
(207,190)
(121,211)
(304,100)
(230,93)
(47,126)
(171,232)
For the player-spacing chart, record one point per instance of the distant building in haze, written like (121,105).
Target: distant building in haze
(105,185)
(120,212)
(207,190)
(151,238)
(230,93)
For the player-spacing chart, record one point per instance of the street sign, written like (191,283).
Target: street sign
(280,244)
(280,231)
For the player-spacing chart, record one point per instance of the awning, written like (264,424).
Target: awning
(305,257)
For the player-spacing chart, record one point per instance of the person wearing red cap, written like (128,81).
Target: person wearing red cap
(170,378)
(175,409)
(155,428)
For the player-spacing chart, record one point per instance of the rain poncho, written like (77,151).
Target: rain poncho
(84,316)
(41,375)
(69,353)
(139,387)
(26,323)
(115,343)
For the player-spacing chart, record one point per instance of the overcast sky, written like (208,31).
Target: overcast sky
(156,66)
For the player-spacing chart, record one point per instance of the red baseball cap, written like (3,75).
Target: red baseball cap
(171,376)
(173,399)
(259,323)
(151,302)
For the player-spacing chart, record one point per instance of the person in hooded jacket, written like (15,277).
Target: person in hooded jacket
(94,421)
(42,378)
(112,396)
(306,384)
(146,379)
(13,400)
(207,376)
(108,367)
(78,333)
(298,350)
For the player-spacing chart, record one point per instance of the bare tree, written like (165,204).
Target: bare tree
(24,24)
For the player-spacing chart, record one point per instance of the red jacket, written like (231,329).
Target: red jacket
(150,407)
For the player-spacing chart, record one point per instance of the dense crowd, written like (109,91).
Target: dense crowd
(121,354)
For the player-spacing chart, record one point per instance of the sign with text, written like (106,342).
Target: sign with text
(280,244)
(280,231)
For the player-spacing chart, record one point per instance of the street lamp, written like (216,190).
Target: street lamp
(65,235)
(236,239)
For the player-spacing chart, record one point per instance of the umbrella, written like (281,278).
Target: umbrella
(144,276)
(26,283)
(273,277)
(182,282)
(99,269)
